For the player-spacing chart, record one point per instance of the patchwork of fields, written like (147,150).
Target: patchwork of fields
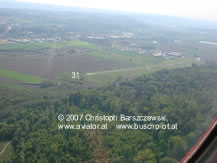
(20,76)
(37,62)
(41,45)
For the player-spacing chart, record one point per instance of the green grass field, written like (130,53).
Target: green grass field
(14,86)
(79,44)
(105,78)
(127,57)
(20,76)
(42,45)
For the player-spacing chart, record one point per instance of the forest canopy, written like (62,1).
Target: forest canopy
(186,96)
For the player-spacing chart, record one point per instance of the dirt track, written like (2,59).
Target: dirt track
(6,145)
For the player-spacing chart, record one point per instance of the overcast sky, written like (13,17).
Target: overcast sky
(192,8)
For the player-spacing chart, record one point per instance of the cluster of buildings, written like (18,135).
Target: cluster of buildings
(35,40)
(114,35)
(151,52)
(168,55)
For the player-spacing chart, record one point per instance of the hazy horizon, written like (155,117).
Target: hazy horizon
(185,8)
(191,9)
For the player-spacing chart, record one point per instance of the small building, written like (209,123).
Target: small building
(174,54)
(158,54)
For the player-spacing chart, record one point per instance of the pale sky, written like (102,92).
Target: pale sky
(191,8)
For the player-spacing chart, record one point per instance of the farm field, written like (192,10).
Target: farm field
(127,57)
(42,45)
(50,66)
(39,65)
(20,76)
(30,63)
(9,83)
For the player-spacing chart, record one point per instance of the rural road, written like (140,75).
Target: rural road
(128,69)
(6,145)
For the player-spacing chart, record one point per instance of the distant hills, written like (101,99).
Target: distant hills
(151,19)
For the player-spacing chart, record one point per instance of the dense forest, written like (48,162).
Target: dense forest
(186,96)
